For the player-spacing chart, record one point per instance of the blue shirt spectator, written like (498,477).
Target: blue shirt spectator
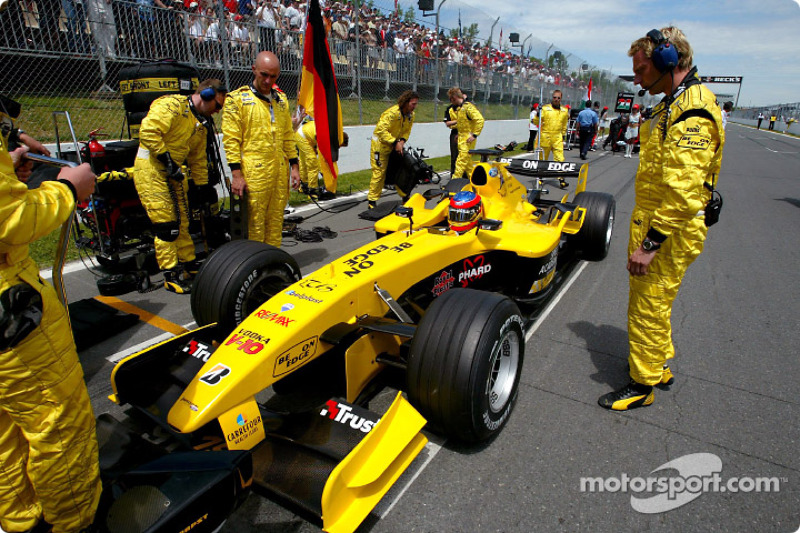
(246,7)
(587,118)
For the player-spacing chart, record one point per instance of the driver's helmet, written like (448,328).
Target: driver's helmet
(465,211)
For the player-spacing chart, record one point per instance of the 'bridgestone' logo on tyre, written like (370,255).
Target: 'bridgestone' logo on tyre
(493,424)
(237,312)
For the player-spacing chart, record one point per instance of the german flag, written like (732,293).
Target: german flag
(319,93)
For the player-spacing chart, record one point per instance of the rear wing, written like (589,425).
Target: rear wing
(548,169)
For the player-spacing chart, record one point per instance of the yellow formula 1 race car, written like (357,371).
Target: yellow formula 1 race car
(275,386)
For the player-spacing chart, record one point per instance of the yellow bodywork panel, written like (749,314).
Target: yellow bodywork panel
(358,483)
(286,332)
(242,426)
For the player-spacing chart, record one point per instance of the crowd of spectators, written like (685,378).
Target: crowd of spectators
(190,29)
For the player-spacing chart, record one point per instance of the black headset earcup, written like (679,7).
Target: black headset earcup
(208,94)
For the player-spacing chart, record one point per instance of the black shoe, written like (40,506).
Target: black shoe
(326,195)
(41,527)
(667,379)
(583,156)
(630,396)
(175,282)
(371,204)
(191,267)
(313,193)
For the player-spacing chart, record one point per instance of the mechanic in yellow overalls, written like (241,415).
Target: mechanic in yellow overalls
(469,123)
(391,133)
(259,139)
(311,161)
(48,450)
(552,127)
(681,153)
(172,133)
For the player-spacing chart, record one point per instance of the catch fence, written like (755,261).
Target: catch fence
(67,54)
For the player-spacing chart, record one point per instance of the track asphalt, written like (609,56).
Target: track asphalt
(564,464)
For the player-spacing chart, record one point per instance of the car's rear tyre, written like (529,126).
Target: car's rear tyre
(455,185)
(465,363)
(236,279)
(594,238)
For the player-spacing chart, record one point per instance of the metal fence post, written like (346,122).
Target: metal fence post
(386,70)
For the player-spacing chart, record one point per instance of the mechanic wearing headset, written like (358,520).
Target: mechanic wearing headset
(681,153)
(469,125)
(391,133)
(173,132)
(258,138)
(48,448)
(552,127)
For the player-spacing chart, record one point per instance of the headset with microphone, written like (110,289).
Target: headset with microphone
(210,92)
(665,57)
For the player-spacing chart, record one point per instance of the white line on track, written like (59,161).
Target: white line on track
(142,345)
(434,446)
(73,266)
(555,301)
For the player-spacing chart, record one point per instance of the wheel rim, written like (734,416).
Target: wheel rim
(609,229)
(262,290)
(504,365)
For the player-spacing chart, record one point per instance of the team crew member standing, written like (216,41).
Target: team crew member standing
(679,161)
(306,138)
(469,125)
(391,133)
(311,162)
(172,133)
(48,448)
(258,136)
(552,127)
(451,121)
(587,121)
(533,128)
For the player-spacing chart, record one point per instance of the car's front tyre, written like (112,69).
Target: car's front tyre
(465,363)
(594,238)
(236,279)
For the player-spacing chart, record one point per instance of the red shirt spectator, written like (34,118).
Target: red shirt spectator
(232,6)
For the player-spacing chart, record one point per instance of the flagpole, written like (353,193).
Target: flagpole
(302,62)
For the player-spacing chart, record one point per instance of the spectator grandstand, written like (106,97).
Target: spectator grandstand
(75,48)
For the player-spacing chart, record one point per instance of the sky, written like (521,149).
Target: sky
(756,39)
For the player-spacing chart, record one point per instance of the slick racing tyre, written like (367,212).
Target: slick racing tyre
(594,237)
(237,278)
(465,363)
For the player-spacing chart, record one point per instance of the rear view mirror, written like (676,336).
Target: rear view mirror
(490,224)
(402,211)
